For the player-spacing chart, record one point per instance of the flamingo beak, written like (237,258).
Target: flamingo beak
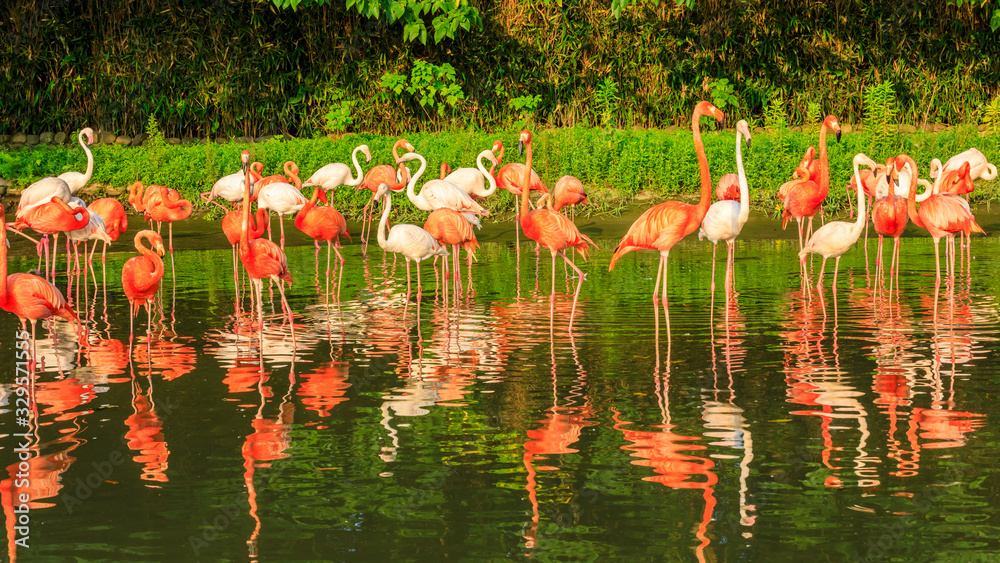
(520,147)
(838,134)
(159,249)
(747,139)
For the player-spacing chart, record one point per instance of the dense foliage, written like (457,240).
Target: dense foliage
(614,165)
(229,68)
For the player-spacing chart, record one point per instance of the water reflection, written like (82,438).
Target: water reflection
(564,441)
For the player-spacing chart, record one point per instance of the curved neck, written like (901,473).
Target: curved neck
(741,174)
(90,160)
(357,169)
(292,173)
(488,174)
(383,222)
(395,149)
(257,230)
(859,223)
(245,230)
(706,179)
(135,197)
(911,194)
(824,165)
(411,186)
(526,182)
(148,253)
(499,160)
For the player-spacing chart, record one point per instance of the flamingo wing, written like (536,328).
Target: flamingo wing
(35,298)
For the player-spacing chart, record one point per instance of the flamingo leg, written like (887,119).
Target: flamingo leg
(711,285)
(731,266)
(287,309)
(579,284)
(819,280)
(420,287)
(937,259)
(656,284)
(408,282)
(170,243)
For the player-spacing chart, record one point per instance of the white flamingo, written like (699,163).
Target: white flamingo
(229,188)
(42,192)
(436,194)
(75,180)
(283,199)
(95,231)
(473,180)
(338,174)
(411,241)
(835,238)
(979,166)
(725,219)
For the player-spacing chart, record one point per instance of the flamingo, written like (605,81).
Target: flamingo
(835,238)
(324,223)
(52,218)
(282,198)
(411,241)
(230,187)
(449,227)
(980,167)
(75,180)
(395,176)
(804,198)
(445,170)
(551,229)
(95,230)
(232,227)
(889,217)
(168,208)
(473,180)
(262,258)
(112,212)
(662,226)
(725,219)
(942,215)
(436,194)
(808,168)
(141,277)
(28,296)
(338,174)
(509,178)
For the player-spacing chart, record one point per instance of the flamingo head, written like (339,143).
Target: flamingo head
(498,150)
(382,190)
(445,169)
(831,123)
(523,139)
(862,159)
(743,128)
(708,109)
(367,152)
(89,134)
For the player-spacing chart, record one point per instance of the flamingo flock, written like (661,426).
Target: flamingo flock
(457,203)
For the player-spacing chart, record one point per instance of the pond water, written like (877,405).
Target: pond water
(771,424)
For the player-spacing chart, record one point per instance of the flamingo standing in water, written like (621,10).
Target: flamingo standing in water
(141,277)
(551,229)
(803,198)
(411,241)
(282,198)
(889,217)
(52,218)
(662,226)
(449,227)
(262,258)
(395,176)
(167,206)
(112,212)
(28,296)
(324,223)
(509,178)
(725,218)
(835,238)
(232,227)
(76,180)
(942,215)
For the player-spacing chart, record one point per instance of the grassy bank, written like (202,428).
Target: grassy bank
(617,166)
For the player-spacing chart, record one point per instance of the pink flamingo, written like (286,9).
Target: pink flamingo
(664,225)
(141,277)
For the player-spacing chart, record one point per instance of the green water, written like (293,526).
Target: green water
(771,425)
